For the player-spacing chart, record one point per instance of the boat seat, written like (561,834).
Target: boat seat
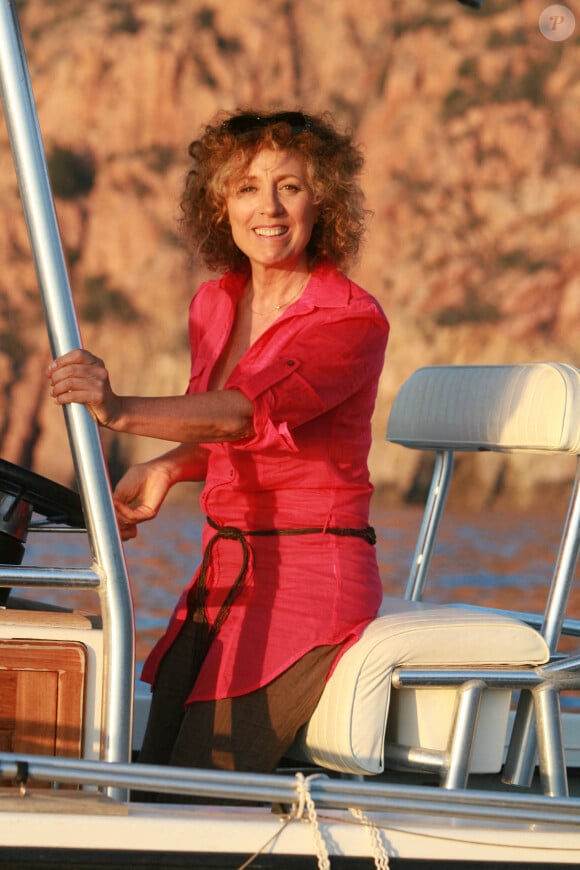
(429,686)
(355,714)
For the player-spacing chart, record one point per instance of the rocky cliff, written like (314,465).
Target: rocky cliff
(471,126)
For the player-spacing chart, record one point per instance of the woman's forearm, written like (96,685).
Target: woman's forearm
(183,463)
(221,415)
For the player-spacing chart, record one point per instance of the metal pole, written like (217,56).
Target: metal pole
(440,481)
(63,332)
(519,766)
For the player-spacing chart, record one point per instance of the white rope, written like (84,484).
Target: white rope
(379,852)
(305,801)
(304,806)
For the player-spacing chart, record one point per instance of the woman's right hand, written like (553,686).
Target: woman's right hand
(139,495)
(80,376)
(142,489)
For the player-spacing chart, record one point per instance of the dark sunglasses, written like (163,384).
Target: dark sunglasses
(242,125)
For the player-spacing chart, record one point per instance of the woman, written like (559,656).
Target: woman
(286,357)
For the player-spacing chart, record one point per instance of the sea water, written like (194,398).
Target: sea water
(492,558)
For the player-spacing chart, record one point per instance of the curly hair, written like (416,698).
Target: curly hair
(223,153)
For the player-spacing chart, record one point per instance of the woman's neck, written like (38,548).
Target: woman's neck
(268,291)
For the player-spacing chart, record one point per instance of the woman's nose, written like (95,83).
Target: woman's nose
(270,202)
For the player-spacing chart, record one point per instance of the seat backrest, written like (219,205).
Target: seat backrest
(525,407)
(506,408)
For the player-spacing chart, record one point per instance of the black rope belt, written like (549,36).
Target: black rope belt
(232,533)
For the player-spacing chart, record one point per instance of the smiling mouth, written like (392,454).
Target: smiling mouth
(269,232)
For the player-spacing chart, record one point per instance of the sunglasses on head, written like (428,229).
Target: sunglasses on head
(241,125)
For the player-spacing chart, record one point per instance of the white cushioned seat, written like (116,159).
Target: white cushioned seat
(347,730)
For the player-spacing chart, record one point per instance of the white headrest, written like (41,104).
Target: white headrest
(527,407)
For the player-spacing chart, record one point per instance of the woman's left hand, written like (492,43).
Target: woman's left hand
(79,376)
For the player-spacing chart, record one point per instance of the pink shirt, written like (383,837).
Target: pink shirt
(312,377)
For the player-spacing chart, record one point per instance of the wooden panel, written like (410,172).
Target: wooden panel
(35,712)
(42,697)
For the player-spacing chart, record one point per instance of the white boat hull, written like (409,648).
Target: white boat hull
(233,834)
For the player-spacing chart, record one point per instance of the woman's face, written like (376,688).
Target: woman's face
(271,210)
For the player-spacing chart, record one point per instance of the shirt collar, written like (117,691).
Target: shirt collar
(327,288)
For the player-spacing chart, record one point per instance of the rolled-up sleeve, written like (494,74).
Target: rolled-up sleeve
(323,366)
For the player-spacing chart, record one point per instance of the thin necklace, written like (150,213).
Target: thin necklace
(282,304)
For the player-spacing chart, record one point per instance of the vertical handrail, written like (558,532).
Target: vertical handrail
(520,761)
(434,507)
(563,577)
(35,190)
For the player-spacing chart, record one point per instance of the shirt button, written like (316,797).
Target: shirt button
(290,362)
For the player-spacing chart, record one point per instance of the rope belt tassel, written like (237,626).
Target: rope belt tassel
(232,533)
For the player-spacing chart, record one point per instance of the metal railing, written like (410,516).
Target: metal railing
(327,792)
(108,559)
